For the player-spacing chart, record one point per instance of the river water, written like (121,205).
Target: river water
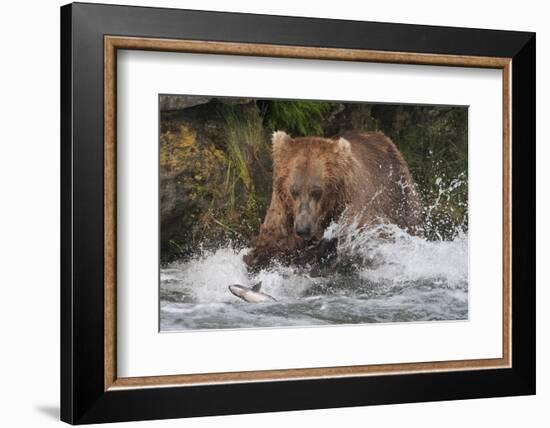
(396,277)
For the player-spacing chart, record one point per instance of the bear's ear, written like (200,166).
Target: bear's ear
(343,146)
(279,141)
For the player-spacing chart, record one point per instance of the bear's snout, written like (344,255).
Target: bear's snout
(305,223)
(304,226)
(304,231)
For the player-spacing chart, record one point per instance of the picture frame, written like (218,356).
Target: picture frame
(91,390)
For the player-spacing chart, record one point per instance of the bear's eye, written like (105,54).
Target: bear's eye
(316,194)
(294,192)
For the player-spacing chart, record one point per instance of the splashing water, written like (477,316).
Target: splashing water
(390,275)
(388,256)
(396,277)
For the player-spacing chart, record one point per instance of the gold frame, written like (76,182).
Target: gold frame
(112,43)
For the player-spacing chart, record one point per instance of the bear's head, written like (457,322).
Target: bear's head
(309,177)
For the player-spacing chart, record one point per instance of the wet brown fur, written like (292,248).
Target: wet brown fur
(361,173)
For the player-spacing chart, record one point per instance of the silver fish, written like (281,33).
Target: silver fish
(251,295)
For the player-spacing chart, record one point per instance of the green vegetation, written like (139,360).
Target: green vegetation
(215,163)
(298,118)
(248,172)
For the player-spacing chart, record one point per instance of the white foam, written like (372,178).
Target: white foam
(393,256)
(207,276)
(386,256)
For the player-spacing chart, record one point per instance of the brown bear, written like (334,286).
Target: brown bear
(316,179)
